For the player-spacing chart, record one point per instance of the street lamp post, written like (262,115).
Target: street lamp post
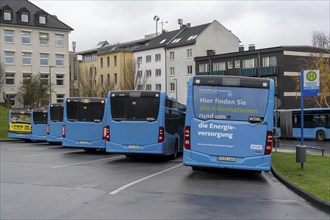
(50,84)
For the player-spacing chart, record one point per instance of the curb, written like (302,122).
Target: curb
(318,203)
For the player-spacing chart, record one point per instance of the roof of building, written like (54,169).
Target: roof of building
(186,35)
(24,6)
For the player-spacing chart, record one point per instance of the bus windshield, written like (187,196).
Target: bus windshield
(230,103)
(135,108)
(17,117)
(40,117)
(86,111)
(56,113)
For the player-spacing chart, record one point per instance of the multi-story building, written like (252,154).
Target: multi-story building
(33,42)
(167,61)
(282,64)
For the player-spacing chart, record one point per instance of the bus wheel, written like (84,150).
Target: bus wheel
(320,136)
(175,153)
(90,150)
(195,168)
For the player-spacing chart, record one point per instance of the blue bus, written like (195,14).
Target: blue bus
(19,124)
(144,122)
(55,123)
(229,123)
(84,122)
(316,123)
(39,124)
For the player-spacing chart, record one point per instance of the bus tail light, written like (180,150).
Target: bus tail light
(187,138)
(269,143)
(48,130)
(161,135)
(106,133)
(63,131)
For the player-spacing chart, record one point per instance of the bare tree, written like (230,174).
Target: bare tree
(33,92)
(87,83)
(105,88)
(321,40)
(133,78)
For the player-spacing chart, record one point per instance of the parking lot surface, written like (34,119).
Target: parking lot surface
(42,181)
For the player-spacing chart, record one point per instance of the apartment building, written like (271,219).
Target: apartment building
(33,42)
(167,61)
(282,64)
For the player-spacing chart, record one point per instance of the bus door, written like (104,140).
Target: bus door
(230,120)
(135,118)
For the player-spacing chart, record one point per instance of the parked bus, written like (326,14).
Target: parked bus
(84,121)
(55,123)
(144,122)
(316,123)
(19,124)
(39,124)
(229,123)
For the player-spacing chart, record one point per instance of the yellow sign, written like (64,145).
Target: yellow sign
(311,76)
(20,127)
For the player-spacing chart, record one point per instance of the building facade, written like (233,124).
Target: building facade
(33,42)
(282,64)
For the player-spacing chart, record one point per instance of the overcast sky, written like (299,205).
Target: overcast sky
(263,23)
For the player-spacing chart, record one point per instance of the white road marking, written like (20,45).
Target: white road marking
(90,161)
(140,180)
(34,155)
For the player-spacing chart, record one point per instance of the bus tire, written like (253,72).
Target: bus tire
(195,168)
(90,150)
(175,153)
(320,136)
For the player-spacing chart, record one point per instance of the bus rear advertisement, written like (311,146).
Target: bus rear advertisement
(229,122)
(19,124)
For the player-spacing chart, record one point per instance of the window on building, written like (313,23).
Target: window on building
(101,62)
(44,79)
(172,71)
(59,40)
(140,87)
(116,80)
(44,59)
(176,40)
(172,57)
(237,64)
(9,36)
(101,80)
(158,87)
(60,80)
(148,58)
(25,17)
(230,65)
(59,98)
(158,72)
(27,76)
(10,79)
(148,87)
(42,19)
(203,67)
(115,60)
(108,79)
(26,58)
(148,73)
(157,57)
(172,87)
(108,61)
(7,15)
(9,57)
(162,41)
(248,63)
(218,66)
(269,61)
(43,38)
(59,59)
(26,37)
(189,53)
(189,69)
(139,73)
(139,60)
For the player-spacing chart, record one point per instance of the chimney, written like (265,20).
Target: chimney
(74,46)
(252,47)
(180,22)
(210,52)
(188,25)
(241,48)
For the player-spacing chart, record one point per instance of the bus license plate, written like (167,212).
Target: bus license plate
(227,159)
(133,146)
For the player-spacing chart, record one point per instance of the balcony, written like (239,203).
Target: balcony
(221,72)
(259,71)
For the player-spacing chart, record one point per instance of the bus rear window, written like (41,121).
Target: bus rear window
(134,108)
(39,117)
(230,103)
(56,113)
(85,112)
(20,118)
